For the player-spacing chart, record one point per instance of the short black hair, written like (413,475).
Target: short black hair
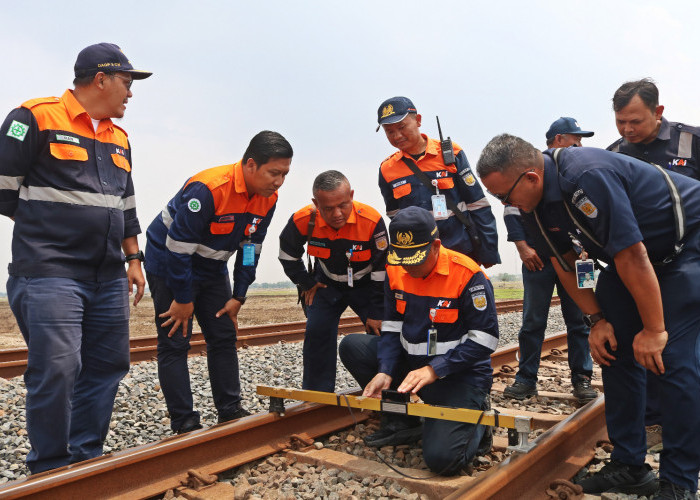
(646,90)
(83,81)
(267,145)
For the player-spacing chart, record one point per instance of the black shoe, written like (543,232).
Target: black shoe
(669,491)
(583,390)
(238,413)
(617,477)
(395,430)
(190,424)
(520,391)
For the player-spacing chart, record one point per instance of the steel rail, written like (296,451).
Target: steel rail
(154,468)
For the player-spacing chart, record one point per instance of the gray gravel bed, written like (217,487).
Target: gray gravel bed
(140,415)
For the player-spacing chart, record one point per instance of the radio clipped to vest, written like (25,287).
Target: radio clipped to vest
(448,152)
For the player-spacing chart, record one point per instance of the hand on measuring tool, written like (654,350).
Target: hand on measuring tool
(602,334)
(178,314)
(231,308)
(417,379)
(373,326)
(648,347)
(308,295)
(375,387)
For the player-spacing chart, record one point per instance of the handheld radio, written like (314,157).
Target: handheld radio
(448,153)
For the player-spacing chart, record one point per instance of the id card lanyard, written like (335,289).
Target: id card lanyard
(432,335)
(439,203)
(348,254)
(585,267)
(249,249)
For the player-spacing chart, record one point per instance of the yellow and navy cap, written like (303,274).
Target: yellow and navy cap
(393,110)
(105,57)
(412,230)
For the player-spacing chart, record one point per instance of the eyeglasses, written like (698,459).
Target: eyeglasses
(129,81)
(503,198)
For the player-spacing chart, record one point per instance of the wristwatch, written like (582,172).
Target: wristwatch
(240,299)
(592,319)
(138,255)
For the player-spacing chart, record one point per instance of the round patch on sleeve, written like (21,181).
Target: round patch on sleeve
(194,205)
(479,301)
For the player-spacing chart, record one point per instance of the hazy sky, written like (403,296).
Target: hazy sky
(317,71)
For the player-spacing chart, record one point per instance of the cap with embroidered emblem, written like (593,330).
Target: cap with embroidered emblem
(393,110)
(105,57)
(412,230)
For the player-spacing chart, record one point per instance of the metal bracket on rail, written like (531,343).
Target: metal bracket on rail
(277,406)
(518,435)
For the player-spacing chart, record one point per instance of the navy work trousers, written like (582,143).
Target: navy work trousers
(77,335)
(321,335)
(537,297)
(448,446)
(625,379)
(222,358)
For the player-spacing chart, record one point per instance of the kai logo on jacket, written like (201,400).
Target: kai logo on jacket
(444,303)
(388,110)
(17,130)
(194,205)
(678,162)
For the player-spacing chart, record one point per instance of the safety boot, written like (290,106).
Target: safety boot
(616,477)
(190,424)
(239,412)
(583,390)
(520,391)
(395,430)
(669,491)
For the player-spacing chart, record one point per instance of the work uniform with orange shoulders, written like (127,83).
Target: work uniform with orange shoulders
(350,262)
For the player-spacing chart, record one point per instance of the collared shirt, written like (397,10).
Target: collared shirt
(676,147)
(211,218)
(69,189)
(457,299)
(619,199)
(363,236)
(401,188)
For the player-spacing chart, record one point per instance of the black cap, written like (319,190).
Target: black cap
(412,230)
(393,110)
(566,125)
(105,57)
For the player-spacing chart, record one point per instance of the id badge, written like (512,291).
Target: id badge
(585,273)
(439,206)
(249,254)
(432,341)
(350,276)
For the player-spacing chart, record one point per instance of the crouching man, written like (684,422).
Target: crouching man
(439,330)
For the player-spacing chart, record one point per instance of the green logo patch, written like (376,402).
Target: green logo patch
(18,130)
(194,205)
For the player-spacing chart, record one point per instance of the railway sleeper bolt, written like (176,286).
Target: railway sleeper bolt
(300,441)
(561,489)
(277,405)
(197,480)
(518,437)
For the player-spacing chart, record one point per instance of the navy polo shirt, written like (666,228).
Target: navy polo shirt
(621,200)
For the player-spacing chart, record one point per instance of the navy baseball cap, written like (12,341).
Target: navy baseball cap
(412,230)
(394,110)
(105,57)
(566,125)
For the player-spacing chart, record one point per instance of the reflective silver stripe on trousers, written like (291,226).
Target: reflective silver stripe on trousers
(286,256)
(35,193)
(378,275)
(421,349)
(392,326)
(685,145)
(192,248)
(9,182)
(509,210)
(343,278)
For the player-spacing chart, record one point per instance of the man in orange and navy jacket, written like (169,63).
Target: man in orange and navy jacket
(65,180)
(219,212)
(348,241)
(402,188)
(439,330)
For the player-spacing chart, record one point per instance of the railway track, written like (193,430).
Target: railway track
(13,362)
(565,444)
